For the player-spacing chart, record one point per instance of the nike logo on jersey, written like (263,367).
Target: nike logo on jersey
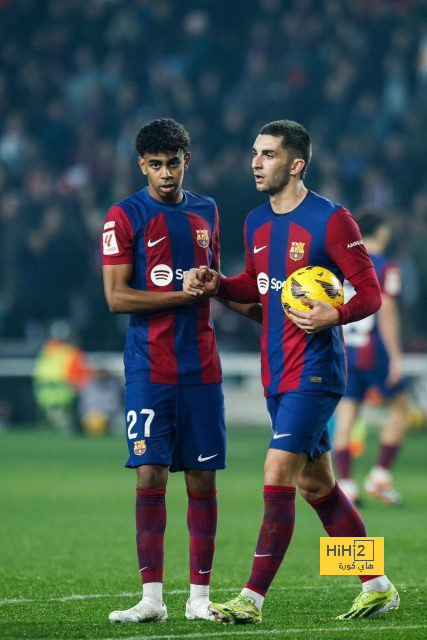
(207,571)
(203,458)
(276,436)
(143,569)
(258,249)
(262,555)
(151,243)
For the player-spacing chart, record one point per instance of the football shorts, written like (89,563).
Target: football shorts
(182,427)
(359,381)
(299,421)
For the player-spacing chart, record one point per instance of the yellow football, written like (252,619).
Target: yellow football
(316,283)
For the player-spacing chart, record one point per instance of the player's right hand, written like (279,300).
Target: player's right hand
(201,281)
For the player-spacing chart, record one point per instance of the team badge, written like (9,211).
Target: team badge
(296,252)
(202,237)
(139,447)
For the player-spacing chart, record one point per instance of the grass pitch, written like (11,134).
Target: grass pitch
(68,554)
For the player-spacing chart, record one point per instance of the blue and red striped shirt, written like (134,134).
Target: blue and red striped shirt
(318,233)
(163,241)
(365,347)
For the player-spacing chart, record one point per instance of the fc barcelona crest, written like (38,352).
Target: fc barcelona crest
(296,252)
(202,237)
(139,447)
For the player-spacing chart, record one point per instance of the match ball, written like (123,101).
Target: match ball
(316,283)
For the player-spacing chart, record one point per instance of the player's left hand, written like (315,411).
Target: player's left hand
(321,316)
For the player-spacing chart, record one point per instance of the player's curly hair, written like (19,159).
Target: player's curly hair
(161,136)
(296,139)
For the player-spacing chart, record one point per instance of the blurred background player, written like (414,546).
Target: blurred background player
(174,402)
(303,365)
(374,361)
(60,374)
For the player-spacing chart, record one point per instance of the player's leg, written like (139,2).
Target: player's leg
(202,523)
(200,451)
(293,422)
(149,428)
(339,517)
(346,416)
(379,482)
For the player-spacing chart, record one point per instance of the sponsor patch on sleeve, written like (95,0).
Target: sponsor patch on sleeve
(109,243)
(110,225)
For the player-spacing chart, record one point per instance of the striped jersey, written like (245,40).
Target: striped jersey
(365,346)
(162,242)
(317,232)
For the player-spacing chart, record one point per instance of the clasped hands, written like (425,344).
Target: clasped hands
(204,281)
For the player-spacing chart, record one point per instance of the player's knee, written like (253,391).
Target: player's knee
(200,481)
(312,490)
(152,476)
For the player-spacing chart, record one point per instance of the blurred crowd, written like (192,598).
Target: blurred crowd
(78,79)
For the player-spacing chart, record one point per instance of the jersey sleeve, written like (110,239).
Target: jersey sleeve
(243,287)
(117,241)
(345,247)
(390,280)
(215,244)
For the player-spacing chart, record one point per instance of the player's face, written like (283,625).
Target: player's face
(165,173)
(271,164)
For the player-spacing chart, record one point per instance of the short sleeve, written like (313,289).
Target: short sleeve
(391,280)
(117,240)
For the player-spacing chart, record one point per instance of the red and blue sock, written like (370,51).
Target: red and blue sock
(340,518)
(274,537)
(201,520)
(150,531)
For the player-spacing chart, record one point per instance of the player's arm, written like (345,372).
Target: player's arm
(122,298)
(117,246)
(253,311)
(344,246)
(389,322)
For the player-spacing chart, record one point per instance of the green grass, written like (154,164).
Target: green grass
(66,529)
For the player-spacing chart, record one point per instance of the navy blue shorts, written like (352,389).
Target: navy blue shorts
(182,427)
(299,420)
(360,381)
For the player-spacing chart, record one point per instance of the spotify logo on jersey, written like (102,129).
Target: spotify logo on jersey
(161,275)
(263,282)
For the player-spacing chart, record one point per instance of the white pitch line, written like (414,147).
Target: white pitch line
(275,632)
(174,592)
(133,594)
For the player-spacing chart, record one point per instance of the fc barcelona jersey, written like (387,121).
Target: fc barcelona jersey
(365,347)
(162,242)
(318,233)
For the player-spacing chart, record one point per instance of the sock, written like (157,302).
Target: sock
(340,518)
(387,455)
(342,459)
(256,597)
(379,583)
(201,521)
(150,530)
(153,590)
(199,591)
(274,537)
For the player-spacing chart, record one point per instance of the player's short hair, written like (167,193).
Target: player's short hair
(296,139)
(369,220)
(161,136)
